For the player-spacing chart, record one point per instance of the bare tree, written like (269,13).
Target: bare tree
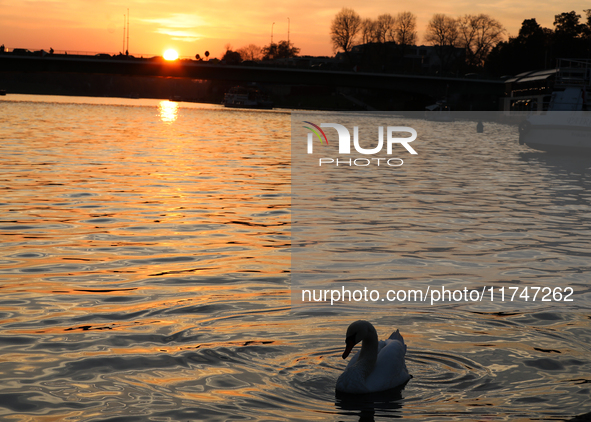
(385,27)
(442,32)
(478,34)
(368,31)
(344,28)
(406,28)
(251,52)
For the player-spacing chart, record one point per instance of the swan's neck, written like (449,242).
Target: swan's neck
(369,351)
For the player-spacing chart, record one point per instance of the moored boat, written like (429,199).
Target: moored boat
(246,97)
(566,125)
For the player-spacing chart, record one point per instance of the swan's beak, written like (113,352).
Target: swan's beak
(348,349)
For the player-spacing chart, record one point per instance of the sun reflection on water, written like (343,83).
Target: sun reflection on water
(168,111)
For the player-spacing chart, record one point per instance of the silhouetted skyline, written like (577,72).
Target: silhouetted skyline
(192,28)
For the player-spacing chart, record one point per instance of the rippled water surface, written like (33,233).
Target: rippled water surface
(145,260)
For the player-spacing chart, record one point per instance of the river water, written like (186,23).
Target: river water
(145,273)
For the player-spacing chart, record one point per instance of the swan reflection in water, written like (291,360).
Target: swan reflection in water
(366,405)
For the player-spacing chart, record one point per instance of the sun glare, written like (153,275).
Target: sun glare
(168,111)
(171,54)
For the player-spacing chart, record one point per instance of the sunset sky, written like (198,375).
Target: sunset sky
(193,26)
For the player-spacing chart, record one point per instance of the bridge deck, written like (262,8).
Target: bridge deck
(425,85)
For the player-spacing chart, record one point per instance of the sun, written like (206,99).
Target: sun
(171,54)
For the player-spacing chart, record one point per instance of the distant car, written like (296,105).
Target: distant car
(102,56)
(21,52)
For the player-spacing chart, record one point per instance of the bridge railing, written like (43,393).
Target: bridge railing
(264,64)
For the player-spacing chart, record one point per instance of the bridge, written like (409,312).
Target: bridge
(431,86)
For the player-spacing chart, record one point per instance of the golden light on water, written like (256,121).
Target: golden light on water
(168,111)
(171,54)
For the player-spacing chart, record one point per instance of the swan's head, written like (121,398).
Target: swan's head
(356,332)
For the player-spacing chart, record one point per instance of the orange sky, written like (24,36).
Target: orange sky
(194,26)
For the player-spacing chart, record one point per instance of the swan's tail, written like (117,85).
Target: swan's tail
(397,336)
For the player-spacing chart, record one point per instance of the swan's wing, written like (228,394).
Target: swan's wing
(354,359)
(390,370)
(382,343)
(352,381)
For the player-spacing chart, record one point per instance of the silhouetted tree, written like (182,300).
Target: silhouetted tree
(251,52)
(478,34)
(568,24)
(571,38)
(528,51)
(442,32)
(537,48)
(282,50)
(231,57)
(385,27)
(405,29)
(287,50)
(533,45)
(344,28)
(530,29)
(368,31)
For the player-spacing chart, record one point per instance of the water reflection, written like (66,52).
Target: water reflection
(145,274)
(168,111)
(385,403)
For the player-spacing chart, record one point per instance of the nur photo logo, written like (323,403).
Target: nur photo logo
(392,138)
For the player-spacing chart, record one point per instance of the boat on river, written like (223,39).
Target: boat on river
(565,125)
(246,97)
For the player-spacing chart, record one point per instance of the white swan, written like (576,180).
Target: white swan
(377,366)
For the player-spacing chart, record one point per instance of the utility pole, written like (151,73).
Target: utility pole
(127,49)
(288,32)
(124,31)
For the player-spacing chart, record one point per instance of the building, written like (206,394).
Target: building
(529,91)
(392,57)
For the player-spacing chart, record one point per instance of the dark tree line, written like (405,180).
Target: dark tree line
(476,35)
(281,50)
(536,47)
(481,37)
